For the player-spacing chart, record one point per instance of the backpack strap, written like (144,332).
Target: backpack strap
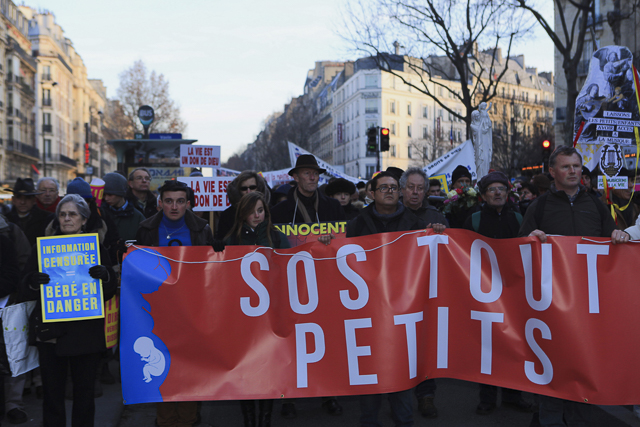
(518,217)
(475,220)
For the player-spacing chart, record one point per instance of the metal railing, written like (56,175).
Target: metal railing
(47,128)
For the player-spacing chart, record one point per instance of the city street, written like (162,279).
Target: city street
(456,401)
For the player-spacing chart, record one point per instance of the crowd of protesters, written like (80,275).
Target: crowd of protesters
(494,206)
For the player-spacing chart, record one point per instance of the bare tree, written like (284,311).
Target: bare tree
(426,150)
(116,124)
(576,18)
(137,88)
(441,40)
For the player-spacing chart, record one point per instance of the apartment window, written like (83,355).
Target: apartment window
(503,92)
(371,81)
(537,114)
(425,132)
(459,136)
(392,150)
(409,131)
(47,144)
(504,110)
(46,118)
(535,98)
(408,109)
(410,152)
(440,91)
(526,96)
(370,170)
(392,107)
(495,108)
(371,106)
(392,128)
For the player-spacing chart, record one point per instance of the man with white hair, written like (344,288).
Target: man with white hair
(49,196)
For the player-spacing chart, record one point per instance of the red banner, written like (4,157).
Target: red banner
(379,314)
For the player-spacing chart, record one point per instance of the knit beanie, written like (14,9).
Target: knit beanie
(459,172)
(490,178)
(80,187)
(115,184)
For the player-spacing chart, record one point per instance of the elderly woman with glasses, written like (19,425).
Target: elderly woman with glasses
(75,344)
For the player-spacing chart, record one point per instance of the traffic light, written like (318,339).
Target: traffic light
(384,139)
(372,143)
(546,153)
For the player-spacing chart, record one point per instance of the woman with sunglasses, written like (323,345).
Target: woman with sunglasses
(253,226)
(246,182)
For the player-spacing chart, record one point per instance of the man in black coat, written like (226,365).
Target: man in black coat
(25,214)
(304,203)
(385,214)
(496,220)
(139,194)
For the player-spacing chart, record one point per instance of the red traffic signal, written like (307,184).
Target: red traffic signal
(384,132)
(384,139)
(546,144)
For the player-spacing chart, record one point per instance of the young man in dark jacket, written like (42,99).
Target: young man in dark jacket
(385,214)
(175,225)
(24,212)
(496,220)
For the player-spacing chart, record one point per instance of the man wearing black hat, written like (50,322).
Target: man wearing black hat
(304,203)
(461,177)
(341,190)
(496,220)
(24,212)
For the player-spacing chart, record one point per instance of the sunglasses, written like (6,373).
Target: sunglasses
(250,187)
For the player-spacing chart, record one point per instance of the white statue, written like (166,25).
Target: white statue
(482,137)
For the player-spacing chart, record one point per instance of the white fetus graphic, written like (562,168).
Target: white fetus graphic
(150,354)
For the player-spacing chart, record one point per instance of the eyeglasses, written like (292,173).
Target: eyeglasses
(142,178)
(71,215)
(500,189)
(416,189)
(49,191)
(178,202)
(387,189)
(250,187)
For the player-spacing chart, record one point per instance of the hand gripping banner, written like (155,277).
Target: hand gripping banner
(382,313)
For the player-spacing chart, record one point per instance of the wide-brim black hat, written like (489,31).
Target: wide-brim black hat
(307,161)
(25,187)
(340,185)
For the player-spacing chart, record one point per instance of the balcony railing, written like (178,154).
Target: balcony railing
(46,102)
(68,161)
(46,128)
(17,146)
(46,77)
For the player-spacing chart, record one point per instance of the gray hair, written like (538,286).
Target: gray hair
(48,178)
(80,203)
(414,171)
(138,169)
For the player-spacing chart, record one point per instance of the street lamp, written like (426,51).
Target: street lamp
(44,145)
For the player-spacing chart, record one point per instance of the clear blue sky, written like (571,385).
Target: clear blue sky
(229,64)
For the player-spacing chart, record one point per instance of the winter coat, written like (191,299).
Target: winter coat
(258,237)
(18,239)
(127,220)
(285,212)
(228,216)
(33,225)
(430,215)
(10,277)
(151,206)
(200,231)
(585,216)
(350,211)
(371,222)
(494,224)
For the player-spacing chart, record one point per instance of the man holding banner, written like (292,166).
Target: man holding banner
(175,225)
(385,214)
(567,209)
